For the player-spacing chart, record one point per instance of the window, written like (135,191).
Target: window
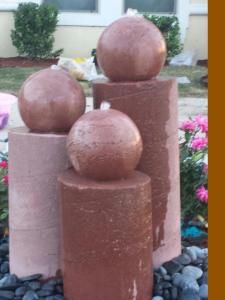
(152,6)
(77,5)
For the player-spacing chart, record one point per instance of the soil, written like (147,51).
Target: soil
(11,62)
(203,63)
(204,81)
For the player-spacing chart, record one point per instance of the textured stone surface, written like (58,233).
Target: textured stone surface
(51,101)
(131,49)
(193,272)
(107,237)
(153,106)
(104,145)
(35,162)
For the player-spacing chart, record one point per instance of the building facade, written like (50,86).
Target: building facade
(81,22)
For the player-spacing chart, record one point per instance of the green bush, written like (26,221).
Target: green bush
(170,28)
(34,28)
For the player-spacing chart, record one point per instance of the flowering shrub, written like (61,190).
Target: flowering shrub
(3,189)
(6,101)
(193,167)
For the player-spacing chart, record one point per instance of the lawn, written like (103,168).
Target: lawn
(12,78)
(195,89)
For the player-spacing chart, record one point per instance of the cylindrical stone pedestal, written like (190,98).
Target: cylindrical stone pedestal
(153,107)
(107,238)
(35,160)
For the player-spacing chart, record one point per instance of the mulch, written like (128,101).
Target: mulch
(204,81)
(202,63)
(12,62)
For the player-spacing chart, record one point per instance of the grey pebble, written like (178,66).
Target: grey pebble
(189,294)
(192,271)
(203,291)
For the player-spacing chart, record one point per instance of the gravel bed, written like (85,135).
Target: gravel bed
(183,278)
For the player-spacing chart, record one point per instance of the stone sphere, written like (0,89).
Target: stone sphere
(131,49)
(104,145)
(51,100)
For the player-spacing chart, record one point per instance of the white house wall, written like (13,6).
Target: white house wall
(197,36)
(78,33)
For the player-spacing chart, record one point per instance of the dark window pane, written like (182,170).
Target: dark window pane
(74,5)
(151,6)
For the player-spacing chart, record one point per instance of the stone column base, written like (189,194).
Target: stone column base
(107,237)
(153,106)
(35,160)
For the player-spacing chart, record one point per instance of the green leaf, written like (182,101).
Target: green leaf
(34,28)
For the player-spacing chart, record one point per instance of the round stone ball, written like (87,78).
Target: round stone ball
(104,145)
(51,100)
(131,49)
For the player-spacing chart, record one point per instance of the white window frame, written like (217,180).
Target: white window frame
(109,11)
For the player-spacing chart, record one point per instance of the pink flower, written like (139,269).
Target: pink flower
(188,125)
(199,143)
(201,123)
(202,194)
(205,168)
(5,179)
(3,164)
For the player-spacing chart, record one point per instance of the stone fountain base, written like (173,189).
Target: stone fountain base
(107,237)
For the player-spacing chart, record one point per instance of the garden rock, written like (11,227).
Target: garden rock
(204,279)
(193,272)
(4,249)
(59,289)
(162,271)
(177,279)
(167,278)
(6,295)
(172,267)
(192,253)
(174,293)
(198,252)
(186,282)
(48,287)
(4,267)
(21,291)
(180,279)
(166,294)
(203,291)
(31,277)
(189,294)
(9,281)
(34,285)
(183,259)
(59,297)
(44,293)
(30,295)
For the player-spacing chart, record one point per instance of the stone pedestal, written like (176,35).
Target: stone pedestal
(153,107)
(107,237)
(35,160)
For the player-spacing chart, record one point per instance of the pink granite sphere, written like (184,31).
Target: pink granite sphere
(51,100)
(131,49)
(104,145)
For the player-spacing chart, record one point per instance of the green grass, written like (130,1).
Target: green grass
(12,78)
(195,88)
